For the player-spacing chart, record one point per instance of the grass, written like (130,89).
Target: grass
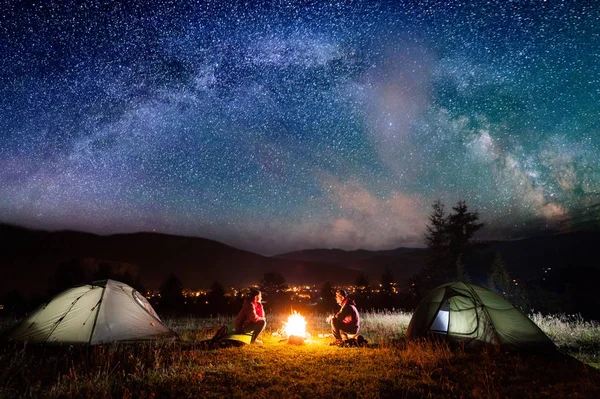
(573,335)
(389,367)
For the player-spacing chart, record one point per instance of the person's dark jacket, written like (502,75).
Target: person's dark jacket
(348,315)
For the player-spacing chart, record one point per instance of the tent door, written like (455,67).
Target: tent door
(442,319)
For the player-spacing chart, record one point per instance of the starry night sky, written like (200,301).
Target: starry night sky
(282,125)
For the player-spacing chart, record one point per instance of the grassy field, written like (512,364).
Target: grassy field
(389,367)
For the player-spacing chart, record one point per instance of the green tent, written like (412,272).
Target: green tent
(475,315)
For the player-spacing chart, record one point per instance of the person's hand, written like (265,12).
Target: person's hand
(328,319)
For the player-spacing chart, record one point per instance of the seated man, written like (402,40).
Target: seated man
(251,317)
(346,320)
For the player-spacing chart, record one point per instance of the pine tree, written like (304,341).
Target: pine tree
(69,274)
(447,238)
(461,271)
(327,297)
(171,293)
(387,280)
(436,239)
(499,279)
(436,234)
(273,281)
(362,283)
(461,227)
(274,289)
(216,297)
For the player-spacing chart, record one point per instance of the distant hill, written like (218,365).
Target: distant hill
(527,257)
(402,262)
(29,259)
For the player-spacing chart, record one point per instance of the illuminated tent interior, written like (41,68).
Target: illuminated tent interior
(101,312)
(475,315)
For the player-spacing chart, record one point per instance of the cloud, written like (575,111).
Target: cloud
(371,221)
(354,218)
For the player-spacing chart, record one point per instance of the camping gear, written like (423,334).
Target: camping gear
(475,315)
(351,341)
(96,313)
(226,337)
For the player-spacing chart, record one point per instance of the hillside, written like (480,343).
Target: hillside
(549,256)
(402,262)
(29,259)
(528,257)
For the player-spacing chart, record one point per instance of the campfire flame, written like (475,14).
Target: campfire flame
(296,326)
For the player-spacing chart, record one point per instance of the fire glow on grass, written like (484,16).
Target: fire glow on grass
(295,326)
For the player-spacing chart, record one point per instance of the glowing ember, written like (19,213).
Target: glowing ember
(295,326)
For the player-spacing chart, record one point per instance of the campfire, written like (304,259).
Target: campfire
(295,329)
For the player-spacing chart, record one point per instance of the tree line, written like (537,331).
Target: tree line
(453,255)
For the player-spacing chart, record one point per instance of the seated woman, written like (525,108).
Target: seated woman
(251,317)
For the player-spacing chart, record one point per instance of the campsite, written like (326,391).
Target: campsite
(389,366)
(300,199)
(104,338)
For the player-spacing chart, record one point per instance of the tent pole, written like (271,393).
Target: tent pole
(484,309)
(63,316)
(99,304)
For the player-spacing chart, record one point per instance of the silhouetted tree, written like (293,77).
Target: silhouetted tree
(171,293)
(216,290)
(387,280)
(362,283)
(103,272)
(128,279)
(108,270)
(273,287)
(415,284)
(14,304)
(461,271)
(447,238)
(216,298)
(273,281)
(69,274)
(499,279)
(462,225)
(327,297)
(436,235)
(385,299)
(436,239)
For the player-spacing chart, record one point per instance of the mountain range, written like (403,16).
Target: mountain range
(29,259)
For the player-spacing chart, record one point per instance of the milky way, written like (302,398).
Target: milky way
(276,126)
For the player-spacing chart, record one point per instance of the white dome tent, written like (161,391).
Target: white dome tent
(97,313)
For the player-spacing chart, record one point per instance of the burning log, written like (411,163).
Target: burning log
(295,329)
(294,340)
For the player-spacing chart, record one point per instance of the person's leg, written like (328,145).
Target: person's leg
(349,330)
(256,328)
(345,329)
(335,329)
